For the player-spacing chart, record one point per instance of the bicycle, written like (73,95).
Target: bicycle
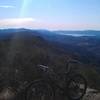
(45,88)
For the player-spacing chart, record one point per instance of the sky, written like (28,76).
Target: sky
(50,14)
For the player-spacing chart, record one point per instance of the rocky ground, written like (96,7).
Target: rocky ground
(92,94)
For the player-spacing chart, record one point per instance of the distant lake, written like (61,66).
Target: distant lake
(78,35)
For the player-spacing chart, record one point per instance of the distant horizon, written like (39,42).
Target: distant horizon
(50,29)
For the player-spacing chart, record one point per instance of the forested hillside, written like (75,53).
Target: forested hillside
(22,51)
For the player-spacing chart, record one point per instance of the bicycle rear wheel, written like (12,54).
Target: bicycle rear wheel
(40,91)
(76,87)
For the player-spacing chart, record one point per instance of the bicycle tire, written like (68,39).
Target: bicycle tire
(39,90)
(75,78)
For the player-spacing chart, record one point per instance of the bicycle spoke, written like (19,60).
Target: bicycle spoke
(39,91)
(76,87)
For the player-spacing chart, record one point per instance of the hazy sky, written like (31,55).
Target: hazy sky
(50,14)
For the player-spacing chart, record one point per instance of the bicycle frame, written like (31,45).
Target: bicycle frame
(49,80)
(53,83)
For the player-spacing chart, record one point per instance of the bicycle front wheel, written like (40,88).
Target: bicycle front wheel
(40,91)
(76,87)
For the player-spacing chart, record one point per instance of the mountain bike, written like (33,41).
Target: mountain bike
(71,86)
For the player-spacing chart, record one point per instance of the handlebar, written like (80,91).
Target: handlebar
(43,67)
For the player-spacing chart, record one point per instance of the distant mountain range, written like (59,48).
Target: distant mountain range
(47,32)
(85,44)
(59,36)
